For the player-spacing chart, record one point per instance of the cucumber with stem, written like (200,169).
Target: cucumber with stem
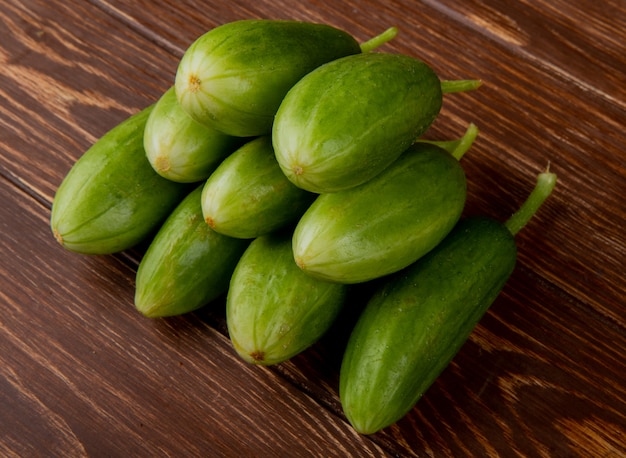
(389,222)
(234,77)
(418,320)
(346,121)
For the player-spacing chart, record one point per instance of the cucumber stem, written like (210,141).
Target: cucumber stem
(545,184)
(457,148)
(450,86)
(379,40)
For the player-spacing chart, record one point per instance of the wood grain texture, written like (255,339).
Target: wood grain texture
(82,374)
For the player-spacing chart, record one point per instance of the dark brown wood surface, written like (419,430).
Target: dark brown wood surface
(544,373)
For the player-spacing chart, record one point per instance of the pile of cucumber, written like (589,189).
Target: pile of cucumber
(283,168)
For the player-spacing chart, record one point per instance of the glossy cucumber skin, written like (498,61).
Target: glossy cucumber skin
(348,120)
(180,148)
(248,195)
(273,310)
(234,77)
(383,225)
(187,265)
(419,319)
(112,199)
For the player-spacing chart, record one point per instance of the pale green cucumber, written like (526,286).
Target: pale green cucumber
(346,121)
(234,76)
(248,195)
(112,199)
(273,310)
(187,264)
(180,148)
(385,224)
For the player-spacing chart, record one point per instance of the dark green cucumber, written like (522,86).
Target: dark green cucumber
(273,310)
(234,77)
(248,195)
(385,224)
(420,317)
(187,264)
(346,121)
(112,198)
(180,148)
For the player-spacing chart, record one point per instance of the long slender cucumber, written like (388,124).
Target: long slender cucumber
(387,223)
(419,319)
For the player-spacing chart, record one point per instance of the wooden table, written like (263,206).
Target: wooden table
(544,373)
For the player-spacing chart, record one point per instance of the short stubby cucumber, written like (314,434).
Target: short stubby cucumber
(385,224)
(420,317)
(349,119)
(273,310)
(112,198)
(234,77)
(248,195)
(187,264)
(181,149)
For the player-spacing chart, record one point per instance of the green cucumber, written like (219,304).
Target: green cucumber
(112,198)
(248,195)
(419,318)
(346,121)
(273,310)
(180,148)
(385,224)
(187,264)
(234,77)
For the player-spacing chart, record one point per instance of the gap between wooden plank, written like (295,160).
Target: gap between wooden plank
(146,32)
(519,51)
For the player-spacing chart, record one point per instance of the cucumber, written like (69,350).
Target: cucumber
(385,224)
(187,264)
(112,199)
(273,310)
(420,317)
(180,148)
(234,76)
(346,121)
(248,195)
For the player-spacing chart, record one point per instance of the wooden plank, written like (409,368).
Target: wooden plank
(580,39)
(83,374)
(69,73)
